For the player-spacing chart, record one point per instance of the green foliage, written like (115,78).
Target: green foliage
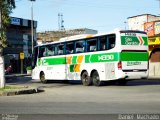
(6,7)
(11,88)
(29,68)
(3,40)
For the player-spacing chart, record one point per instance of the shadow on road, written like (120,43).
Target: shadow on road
(72,82)
(111,83)
(143,82)
(18,79)
(28,80)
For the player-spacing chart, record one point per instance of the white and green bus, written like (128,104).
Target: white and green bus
(120,55)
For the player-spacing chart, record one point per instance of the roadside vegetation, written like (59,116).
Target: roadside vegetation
(11,88)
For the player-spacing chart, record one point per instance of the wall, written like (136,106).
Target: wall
(19,40)
(154,69)
(137,22)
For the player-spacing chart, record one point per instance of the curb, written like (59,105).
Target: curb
(20,92)
(16,75)
(154,77)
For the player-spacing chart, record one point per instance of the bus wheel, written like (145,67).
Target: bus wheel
(95,79)
(42,77)
(86,81)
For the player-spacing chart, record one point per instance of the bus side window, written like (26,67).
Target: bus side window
(53,51)
(56,50)
(41,51)
(111,41)
(46,51)
(60,49)
(80,46)
(50,50)
(102,43)
(34,57)
(69,48)
(92,45)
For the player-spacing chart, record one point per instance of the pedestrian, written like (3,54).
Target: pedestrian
(8,69)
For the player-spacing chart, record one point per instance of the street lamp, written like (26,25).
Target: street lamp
(32,22)
(125,24)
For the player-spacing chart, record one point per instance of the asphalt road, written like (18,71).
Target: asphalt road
(137,97)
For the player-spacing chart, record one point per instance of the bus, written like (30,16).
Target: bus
(119,55)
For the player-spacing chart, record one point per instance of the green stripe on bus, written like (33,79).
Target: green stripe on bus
(95,58)
(87,58)
(145,39)
(39,62)
(134,56)
(74,59)
(105,57)
(133,40)
(71,68)
(54,61)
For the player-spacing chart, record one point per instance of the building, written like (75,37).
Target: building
(151,25)
(50,36)
(137,22)
(19,40)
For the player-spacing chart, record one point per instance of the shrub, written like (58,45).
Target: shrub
(29,68)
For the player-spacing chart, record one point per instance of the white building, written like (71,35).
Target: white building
(137,22)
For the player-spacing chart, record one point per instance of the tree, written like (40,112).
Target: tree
(6,7)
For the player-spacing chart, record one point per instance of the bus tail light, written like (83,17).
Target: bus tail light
(119,65)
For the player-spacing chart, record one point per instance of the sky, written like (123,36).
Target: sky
(101,15)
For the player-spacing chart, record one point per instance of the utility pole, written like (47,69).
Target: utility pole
(2,79)
(32,32)
(0,22)
(60,21)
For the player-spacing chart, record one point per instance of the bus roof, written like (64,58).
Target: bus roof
(133,31)
(82,36)
(76,37)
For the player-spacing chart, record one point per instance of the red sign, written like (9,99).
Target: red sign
(149,28)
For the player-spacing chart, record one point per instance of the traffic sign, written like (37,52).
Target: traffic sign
(21,55)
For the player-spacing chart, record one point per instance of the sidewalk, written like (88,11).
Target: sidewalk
(20,91)
(17,75)
(154,77)
(24,89)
